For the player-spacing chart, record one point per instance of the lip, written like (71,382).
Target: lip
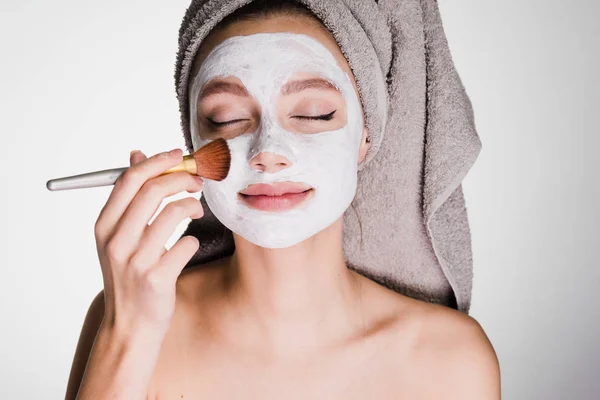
(278,196)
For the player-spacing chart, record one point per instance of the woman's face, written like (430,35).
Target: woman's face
(282,95)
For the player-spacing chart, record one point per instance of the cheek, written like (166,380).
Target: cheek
(329,155)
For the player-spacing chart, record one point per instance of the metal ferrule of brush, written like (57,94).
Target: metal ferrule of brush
(188,165)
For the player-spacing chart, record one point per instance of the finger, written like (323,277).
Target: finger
(174,260)
(135,219)
(127,186)
(152,243)
(136,156)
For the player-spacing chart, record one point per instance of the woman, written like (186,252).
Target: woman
(283,316)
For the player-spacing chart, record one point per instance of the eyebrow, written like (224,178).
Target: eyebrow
(218,87)
(312,83)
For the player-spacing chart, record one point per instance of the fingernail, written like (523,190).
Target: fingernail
(199,179)
(175,152)
(133,151)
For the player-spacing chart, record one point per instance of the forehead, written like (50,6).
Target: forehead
(269,55)
(265,62)
(273,24)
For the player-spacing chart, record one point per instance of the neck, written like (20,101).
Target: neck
(296,297)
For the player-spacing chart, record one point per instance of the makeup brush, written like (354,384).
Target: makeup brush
(211,161)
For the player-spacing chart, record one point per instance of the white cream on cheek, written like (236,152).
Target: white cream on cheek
(327,161)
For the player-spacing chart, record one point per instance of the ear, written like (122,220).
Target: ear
(364,146)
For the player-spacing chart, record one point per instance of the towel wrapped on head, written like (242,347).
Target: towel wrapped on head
(407,228)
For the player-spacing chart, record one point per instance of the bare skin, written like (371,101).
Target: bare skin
(290,323)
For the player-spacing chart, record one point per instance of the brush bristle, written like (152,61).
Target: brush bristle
(213,160)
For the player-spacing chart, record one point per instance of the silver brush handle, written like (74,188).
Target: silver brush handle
(105,177)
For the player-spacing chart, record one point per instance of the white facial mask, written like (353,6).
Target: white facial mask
(327,161)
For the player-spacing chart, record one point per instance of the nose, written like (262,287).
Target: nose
(266,161)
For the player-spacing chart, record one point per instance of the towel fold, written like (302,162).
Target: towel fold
(408,227)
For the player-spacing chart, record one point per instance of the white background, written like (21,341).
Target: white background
(82,83)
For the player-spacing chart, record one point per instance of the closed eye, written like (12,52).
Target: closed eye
(225,123)
(324,117)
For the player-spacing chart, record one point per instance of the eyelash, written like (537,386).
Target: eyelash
(218,124)
(324,117)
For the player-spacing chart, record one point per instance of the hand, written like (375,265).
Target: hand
(139,273)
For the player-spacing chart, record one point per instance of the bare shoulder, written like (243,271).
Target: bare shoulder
(89,330)
(455,349)
(449,353)
(451,349)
